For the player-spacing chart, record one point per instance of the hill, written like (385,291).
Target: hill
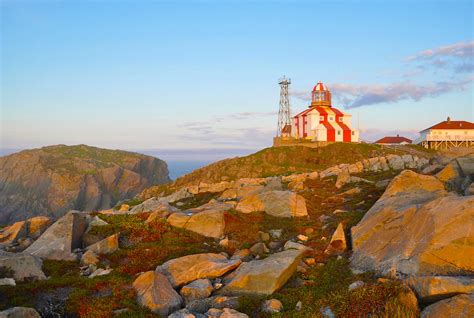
(280,161)
(52,180)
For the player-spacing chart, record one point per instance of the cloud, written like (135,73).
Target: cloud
(246,115)
(357,96)
(463,50)
(456,57)
(353,96)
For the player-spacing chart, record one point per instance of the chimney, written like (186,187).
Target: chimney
(398,135)
(449,119)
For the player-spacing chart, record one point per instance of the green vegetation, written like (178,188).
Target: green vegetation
(275,161)
(328,286)
(82,159)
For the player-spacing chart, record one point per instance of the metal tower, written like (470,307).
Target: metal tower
(284,114)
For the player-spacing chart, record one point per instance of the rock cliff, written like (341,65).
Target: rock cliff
(53,180)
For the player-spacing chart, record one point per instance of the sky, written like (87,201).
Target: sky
(203,75)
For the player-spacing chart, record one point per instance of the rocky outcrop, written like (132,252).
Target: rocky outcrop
(60,239)
(264,277)
(53,180)
(192,267)
(275,203)
(461,306)
(416,228)
(24,267)
(155,292)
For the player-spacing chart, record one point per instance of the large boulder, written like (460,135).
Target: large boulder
(275,203)
(24,267)
(155,292)
(61,238)
(434,288)
(264,277)
(207,220)
(188,268)
(461,306)
(416,228)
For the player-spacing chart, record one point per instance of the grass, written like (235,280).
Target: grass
(274,161)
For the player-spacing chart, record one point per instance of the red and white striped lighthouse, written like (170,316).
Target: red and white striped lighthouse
(322,122)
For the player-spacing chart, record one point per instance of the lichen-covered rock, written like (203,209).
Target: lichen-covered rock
(61,238)
(275,203)
(155,292)
(106,246)
(154,205)
(219,302)
(37,225)
(89,258)
(13,232)
(207,220)
(188,268)
(198,289)
(225,313)
(338,242)
(272,306)
(434,288)
(24,267)
(264,277)
(20,312)
(460,306)
(416,228)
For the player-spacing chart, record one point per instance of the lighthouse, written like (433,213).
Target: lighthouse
(323,123)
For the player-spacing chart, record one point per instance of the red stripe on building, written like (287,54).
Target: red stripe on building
(331,132)
(346,131)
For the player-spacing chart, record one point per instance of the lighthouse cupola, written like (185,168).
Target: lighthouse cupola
(321,96)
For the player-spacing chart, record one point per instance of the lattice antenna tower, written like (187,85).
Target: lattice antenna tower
(284,113)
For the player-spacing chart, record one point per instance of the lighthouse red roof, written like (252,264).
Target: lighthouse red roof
(320,87)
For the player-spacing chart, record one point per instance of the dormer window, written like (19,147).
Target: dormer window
(331,118)
(340,119)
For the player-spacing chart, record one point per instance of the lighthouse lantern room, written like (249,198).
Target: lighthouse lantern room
(322,122)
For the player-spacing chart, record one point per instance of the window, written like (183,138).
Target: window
(331,118)
(338,132)
(353,133)
(465,132)
(340,119)
(321,118)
